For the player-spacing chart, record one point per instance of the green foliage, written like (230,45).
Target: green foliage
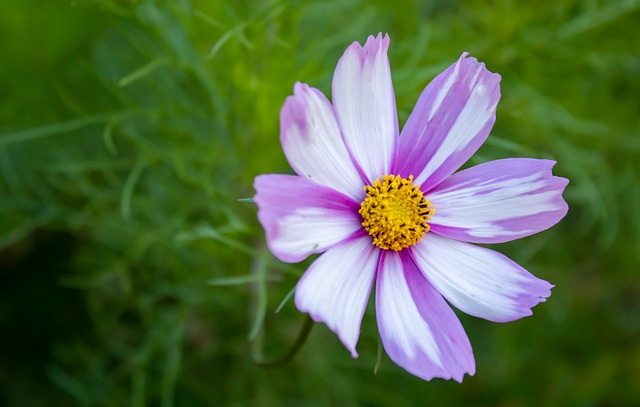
(132,273)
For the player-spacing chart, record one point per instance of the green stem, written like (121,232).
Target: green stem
(297,345)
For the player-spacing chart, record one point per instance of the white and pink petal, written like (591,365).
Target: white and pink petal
(336,287)
(451,120)
(479,281)
(498,201)
(419,331)
(364,102)
(301,217)
(312,142)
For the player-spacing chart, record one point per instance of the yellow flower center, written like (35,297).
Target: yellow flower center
(395,212)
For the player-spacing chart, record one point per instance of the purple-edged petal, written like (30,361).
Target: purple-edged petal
(498,201)
(302,217)
(365,104)
(451,120)
(336,287)
(479,281)
(312,142)
(419,331)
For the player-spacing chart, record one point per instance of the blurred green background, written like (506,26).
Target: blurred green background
(131,275)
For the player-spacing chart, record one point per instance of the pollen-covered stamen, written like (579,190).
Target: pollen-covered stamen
(395,212)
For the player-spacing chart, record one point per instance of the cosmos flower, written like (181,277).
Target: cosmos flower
(386,207)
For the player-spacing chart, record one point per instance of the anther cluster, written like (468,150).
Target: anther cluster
(395,213)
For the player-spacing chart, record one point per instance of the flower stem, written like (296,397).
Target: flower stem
(287,356)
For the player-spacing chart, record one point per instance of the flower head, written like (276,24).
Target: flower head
(387,207)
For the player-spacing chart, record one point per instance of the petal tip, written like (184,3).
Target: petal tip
(472,62)
(299,87)
(371,48)
(378,41)
(293,113)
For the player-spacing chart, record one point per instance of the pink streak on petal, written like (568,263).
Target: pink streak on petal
(313,144)
(479,281)
(336,287)
(451,120)
(419,330)
(364,102)
(498,201)
(301,217)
